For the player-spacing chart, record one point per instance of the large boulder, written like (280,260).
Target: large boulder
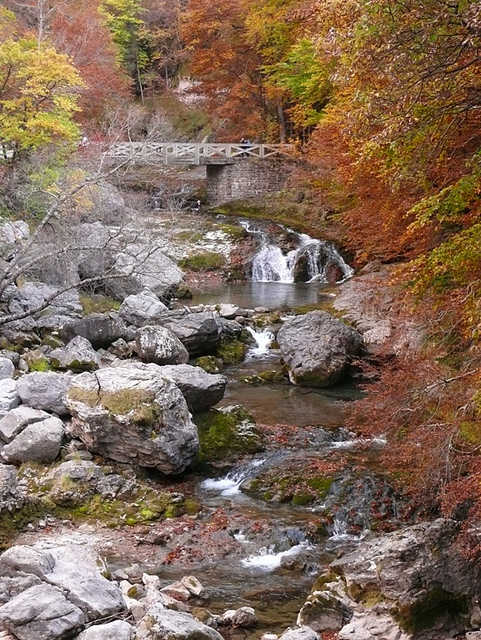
(9,396)
(7,368)
(142,267)
(160,346)
(410,581)
(78,355)
(116,630)
(15,421)
(166,624)
(44,390)
(202,390)
(100,329)
(133,414)
(55,310)
(199,332)
(13,234)
(143,308)
(317,348)
(38,442)
(41,612)
(64,590)
(10,497)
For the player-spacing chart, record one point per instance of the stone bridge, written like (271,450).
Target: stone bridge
(234,171)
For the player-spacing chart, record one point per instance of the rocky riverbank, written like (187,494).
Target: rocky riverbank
(104,434)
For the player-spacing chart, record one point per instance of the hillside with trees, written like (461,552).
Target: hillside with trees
(382,99)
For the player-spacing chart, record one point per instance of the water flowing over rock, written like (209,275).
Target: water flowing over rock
(301,259)
(317,348)
(133,414)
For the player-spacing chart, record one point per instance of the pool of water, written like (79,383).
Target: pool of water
(273,295)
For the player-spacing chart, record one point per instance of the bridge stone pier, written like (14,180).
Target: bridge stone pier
(244,180)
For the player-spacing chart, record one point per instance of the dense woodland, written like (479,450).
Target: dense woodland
(382,99)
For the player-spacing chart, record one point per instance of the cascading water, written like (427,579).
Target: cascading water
(263,339)
(311,261)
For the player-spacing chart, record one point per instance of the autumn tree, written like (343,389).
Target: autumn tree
(38,96)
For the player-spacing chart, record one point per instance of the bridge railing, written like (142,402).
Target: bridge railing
(195,153)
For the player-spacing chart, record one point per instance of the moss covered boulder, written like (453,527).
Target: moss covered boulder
(133,414)
(226,435)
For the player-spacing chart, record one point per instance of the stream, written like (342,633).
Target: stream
(268,553)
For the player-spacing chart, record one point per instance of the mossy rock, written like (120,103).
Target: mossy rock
(38,361)
(231,352)
(226,434)
(435,605)
(98,303)
(265,377)
(210,364)
(207,261)
(139,404)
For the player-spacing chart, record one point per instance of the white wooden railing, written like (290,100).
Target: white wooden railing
(195,153)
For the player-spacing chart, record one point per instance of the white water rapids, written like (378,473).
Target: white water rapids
(271,264)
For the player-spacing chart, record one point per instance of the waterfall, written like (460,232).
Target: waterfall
(263,340)
(310,261)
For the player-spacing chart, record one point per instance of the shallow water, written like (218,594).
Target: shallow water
(272,295)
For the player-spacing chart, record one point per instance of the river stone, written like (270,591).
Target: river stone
(244,617)
(9,396)
(9,493)
(143,268)
(201,390)
(76,571)
(303,633)
(44,390)
(100,329)
(78,355)
(143,308)
(317,348)
(41,612)
(133,414)
(7,368)
(15,421)
(33,296)
(199,332)
(39,442)
(166,624)
(72,568)
(117,630)
(373,625)
(160,346)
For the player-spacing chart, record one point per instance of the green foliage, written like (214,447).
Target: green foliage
(98,303)
(207,261)
(306,82)
(38,89)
